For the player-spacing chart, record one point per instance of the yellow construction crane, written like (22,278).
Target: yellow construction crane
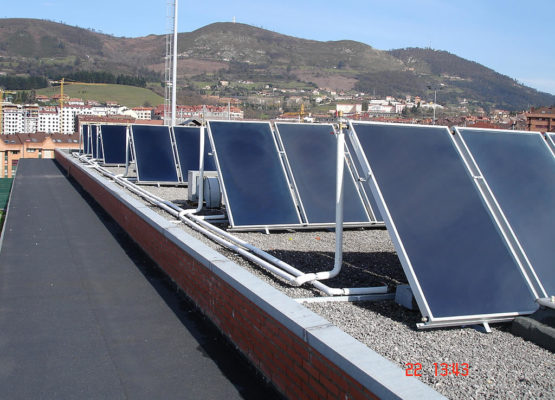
(2,91)
(63,82)
(301,113)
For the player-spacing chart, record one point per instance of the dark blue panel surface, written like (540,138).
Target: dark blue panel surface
(114,143)
(94,140)
(154,154)
(187,140)
(255,183)
(458,257)
(311,151)
(86,140)
(520,171)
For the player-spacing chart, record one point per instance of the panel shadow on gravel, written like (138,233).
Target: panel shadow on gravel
(360,269)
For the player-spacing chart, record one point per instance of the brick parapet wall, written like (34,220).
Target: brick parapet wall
(301,353)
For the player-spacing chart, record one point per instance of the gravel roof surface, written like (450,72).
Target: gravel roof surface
(501,365)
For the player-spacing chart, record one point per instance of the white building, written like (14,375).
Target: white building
(30,118)
(209,112)
(12,119)
(144,113)
(49,121)
(349,108)
(432,105)
(381,109)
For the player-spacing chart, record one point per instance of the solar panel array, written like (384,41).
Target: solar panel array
(456,260)
(519,169)
(286,179)
(165,155)
(466,209)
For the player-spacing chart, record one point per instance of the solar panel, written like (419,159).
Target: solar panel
(85,140)
(154,156)
(519,169)
(252,176)
(187,141)
(456,260)
(93,133)
(311,152)
(114,143)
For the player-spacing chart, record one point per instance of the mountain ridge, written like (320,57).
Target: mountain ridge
(231,51)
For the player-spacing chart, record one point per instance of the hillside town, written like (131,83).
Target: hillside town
(48,116)
(35,130)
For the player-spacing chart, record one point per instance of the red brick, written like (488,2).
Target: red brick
(330,386)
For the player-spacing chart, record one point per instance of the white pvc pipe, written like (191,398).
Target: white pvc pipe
(200,173)
(340,164)
(127,148)
(274,265)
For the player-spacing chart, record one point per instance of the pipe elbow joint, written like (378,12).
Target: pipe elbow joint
(301,280)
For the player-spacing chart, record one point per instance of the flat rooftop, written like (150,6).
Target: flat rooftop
(501,365)
(86,314)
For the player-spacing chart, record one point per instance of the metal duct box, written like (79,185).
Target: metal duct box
(192,179)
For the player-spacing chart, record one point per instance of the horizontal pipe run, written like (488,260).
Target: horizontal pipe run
(278,267)
(351,298)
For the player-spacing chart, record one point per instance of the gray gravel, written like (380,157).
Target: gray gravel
(502,366)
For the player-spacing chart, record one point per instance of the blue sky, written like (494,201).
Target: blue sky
(515,38)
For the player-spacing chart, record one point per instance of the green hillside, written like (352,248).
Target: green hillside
(239,52)
(461,77)
(130,96)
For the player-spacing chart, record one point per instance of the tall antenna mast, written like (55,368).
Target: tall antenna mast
(170,70)
(174,73)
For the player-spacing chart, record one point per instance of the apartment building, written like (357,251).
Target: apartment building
(541,119)
(12,118)
(49,120)
(197,112)
(143,113)
(17,146)
(32,118)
